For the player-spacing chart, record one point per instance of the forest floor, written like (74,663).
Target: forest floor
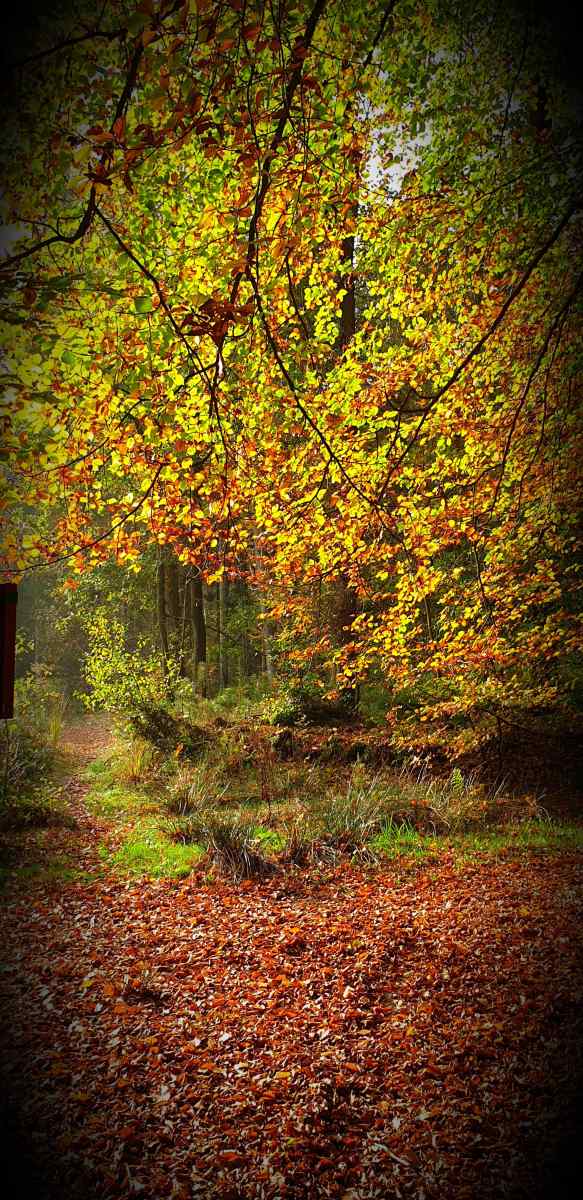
(333,1031)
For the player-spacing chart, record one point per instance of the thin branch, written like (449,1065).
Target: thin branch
(292,388)
(294,80)
(483,341)
(8,264)
(52,562)
(556,322)
(378,38)
(84,225)
(67,43)
(73,462)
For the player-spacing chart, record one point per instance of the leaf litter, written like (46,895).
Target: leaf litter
(348,1033)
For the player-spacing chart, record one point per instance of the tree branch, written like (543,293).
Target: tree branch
(52,562)
(482,342)
(8,264)
(95,34)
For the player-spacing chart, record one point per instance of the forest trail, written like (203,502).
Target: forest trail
(81,742)
(321,1033)
(57,849)
(84,739)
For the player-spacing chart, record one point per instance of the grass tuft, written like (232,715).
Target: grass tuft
(153,856)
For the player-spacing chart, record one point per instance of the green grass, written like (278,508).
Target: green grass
(58,871)
(543,835)
(150,849)
(102,768)
(153,856)
(117,803)
(403,841)
(270,839)
(146,850)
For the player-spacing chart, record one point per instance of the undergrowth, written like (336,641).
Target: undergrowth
(40,807)
(250,815)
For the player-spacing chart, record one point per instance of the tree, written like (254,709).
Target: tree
(189,183)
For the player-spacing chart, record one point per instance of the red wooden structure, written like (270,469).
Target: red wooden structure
(8,598)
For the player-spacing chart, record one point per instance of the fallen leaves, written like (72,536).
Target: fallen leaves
(341,1034)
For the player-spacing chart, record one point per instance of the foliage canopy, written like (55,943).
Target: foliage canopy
(296,288)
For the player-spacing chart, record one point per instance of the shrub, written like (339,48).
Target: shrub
(458,802)
(169,734)
(28,748)
(136,762)
(39,808)
(24,758)
(300,846)
(120,680)
(39,705)
(307,706)
(232,843)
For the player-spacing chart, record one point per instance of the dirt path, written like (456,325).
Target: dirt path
(84,739)
(348,1035)
(58,849)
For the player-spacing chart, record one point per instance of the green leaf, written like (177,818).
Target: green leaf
(143,304)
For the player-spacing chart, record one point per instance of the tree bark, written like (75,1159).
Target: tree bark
(161,603)
(173,599)
(345,606)
(221,622)
(199,631)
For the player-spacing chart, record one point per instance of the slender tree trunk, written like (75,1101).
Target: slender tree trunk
(186,632)
(267,653)
(173,600)
(265,630)
(348,308)
(345,605)
(247,653)
(161,603)
(199,631)
(221,622)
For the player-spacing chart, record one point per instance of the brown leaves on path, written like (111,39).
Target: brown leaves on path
(353,1034)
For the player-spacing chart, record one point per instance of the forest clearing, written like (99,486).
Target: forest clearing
(291,623)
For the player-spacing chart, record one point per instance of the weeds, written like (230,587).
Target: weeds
(41,808)
(231,840)
(194,790)
(349,820)
(399,838)
(311,812)
(154,855)
(457,803)
(299,844)
(138,762)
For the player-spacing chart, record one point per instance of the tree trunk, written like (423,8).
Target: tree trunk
(161,601)
(348,307)
(173,600)
(199,631)
(345,606)
(266,633)
(267,654)
(221,622)
(186,632)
